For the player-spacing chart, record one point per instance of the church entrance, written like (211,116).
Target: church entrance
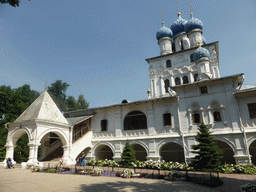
(172,152)
(103,152)
(140,152)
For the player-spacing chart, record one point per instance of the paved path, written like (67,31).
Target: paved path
(26,181)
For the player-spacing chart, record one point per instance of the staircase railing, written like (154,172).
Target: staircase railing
(80,133)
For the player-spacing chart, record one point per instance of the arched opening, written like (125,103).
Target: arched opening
(177,81)
(21,151)
(140,152)
(228,153)
(135,120)
(172,152)
(86,151)
(185,79)
(252,150)
(196,77)
(103,152)
(51,147)
(166,85)
(168,63)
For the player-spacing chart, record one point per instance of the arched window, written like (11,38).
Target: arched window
(177,81)
(166,85)
(195,77)
(168,63)
(181,45)
(185,79)
(192,58)
(135,120)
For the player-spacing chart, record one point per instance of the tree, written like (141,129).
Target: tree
(82,103)
(208,156)
(72,103)
(57,91)
(13,3)
(128,156)
(12,103)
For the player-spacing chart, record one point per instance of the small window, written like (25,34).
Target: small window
(185,79)
(216,116)
(104,125)
(168,64)
(252,110)
(195,77)
(167,119)
(196,118)
(177,81)
(192,58)
(203,90)
(181,45)
(166,85)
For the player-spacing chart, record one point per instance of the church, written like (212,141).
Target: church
(185,89)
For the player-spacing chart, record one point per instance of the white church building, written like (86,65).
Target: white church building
(185,89)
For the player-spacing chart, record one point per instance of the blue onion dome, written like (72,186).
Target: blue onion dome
(193,24)
(164,32)
(173,46)
(201,53)
(204,40)
(178,27)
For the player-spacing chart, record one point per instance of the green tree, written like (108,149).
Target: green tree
(57,91)
(208,156)
(21,151)
(82,103)
(128,156)
(72,103)
(12,103)
(13,3)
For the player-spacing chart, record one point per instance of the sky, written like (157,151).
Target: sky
(99,47)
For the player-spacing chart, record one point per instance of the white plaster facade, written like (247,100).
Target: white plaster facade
(165,125)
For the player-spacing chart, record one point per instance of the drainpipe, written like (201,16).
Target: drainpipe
(182,135)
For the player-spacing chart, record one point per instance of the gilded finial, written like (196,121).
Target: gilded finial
(179,14)
(191,15)
(162,16)
(148,91)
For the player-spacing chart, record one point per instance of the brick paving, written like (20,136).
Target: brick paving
(24,180)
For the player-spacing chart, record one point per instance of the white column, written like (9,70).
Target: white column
(9,154)
(172,81)
(162,85)
(31,153)
(191,78)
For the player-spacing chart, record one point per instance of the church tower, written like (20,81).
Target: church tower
(185,57)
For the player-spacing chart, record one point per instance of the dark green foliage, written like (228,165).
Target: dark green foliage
(21,152)
(58,90)
(208,154)
(81,102)
(128,156)
(12,103)
(13,3)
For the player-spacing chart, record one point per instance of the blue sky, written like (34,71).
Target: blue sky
(100,47)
